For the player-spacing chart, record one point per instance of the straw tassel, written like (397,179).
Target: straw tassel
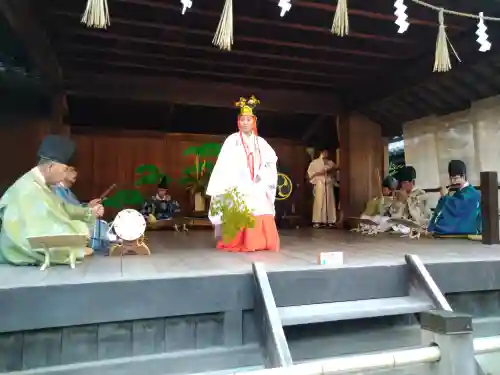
(340,24)
(223,37)
(96,14)
(442,61)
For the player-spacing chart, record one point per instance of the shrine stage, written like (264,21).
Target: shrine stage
(189,308)
(194,254)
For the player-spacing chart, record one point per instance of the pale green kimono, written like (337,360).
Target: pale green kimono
(30,208)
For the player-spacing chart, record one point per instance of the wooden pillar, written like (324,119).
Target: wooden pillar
(385,157)
(58,113)
(361,155)
(489,208)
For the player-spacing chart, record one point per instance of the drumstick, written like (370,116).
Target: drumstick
(105,194)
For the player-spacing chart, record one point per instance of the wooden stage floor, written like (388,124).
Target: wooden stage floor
(178,254)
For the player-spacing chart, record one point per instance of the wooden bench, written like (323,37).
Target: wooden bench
(49,244)
(177,223)
(290,221)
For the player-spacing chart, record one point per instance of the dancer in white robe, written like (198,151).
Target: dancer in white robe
(248,163)
(320,173)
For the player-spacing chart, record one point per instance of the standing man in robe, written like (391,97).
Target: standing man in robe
(411,202)
(458,212)
(248,163)
(320,173)
(100,239)
(29,208)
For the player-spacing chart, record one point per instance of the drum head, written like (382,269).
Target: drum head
(129,225)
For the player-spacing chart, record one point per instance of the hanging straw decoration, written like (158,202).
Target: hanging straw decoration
(340,24)
(442,61)
(223,37)
(96,14)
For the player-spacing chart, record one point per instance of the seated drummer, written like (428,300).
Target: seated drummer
(161,206)
(29,208)
(411,202)
(458,211)
(101,238)
(377,209)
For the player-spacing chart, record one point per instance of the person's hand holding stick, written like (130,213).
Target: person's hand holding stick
(98,201)
(98,210)
(94,202)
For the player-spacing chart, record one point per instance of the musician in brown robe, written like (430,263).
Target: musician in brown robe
(378,208)
(411,201)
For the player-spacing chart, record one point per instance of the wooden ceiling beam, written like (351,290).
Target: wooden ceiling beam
(265,41)
(481,80)
(330,8)
(265,22)
(431,102)
(363,13)
(207,73)
(24,23)
(90,52)
(199,93)
(420,70)
(313,128)
(212,50)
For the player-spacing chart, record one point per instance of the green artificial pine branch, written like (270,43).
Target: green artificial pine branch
(394,169)
(234,213)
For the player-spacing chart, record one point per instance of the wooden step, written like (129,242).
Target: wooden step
(336,311)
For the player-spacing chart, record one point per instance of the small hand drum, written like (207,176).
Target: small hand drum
(130,226)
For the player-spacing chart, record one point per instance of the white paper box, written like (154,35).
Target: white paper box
(331,259)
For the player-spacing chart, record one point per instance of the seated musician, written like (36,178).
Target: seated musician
(29,208)
(377,209)
(411,202)
(101,239)
(160,206)
(458,211)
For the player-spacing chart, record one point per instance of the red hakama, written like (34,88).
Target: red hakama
(263,236)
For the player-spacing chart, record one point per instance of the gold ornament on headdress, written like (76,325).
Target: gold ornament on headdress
(247,105)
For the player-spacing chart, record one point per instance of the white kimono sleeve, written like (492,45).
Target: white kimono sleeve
(219,181)
(268,174)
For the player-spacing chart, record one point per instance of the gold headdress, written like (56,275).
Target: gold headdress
(247,105)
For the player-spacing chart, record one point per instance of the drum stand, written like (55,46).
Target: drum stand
(135,247)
